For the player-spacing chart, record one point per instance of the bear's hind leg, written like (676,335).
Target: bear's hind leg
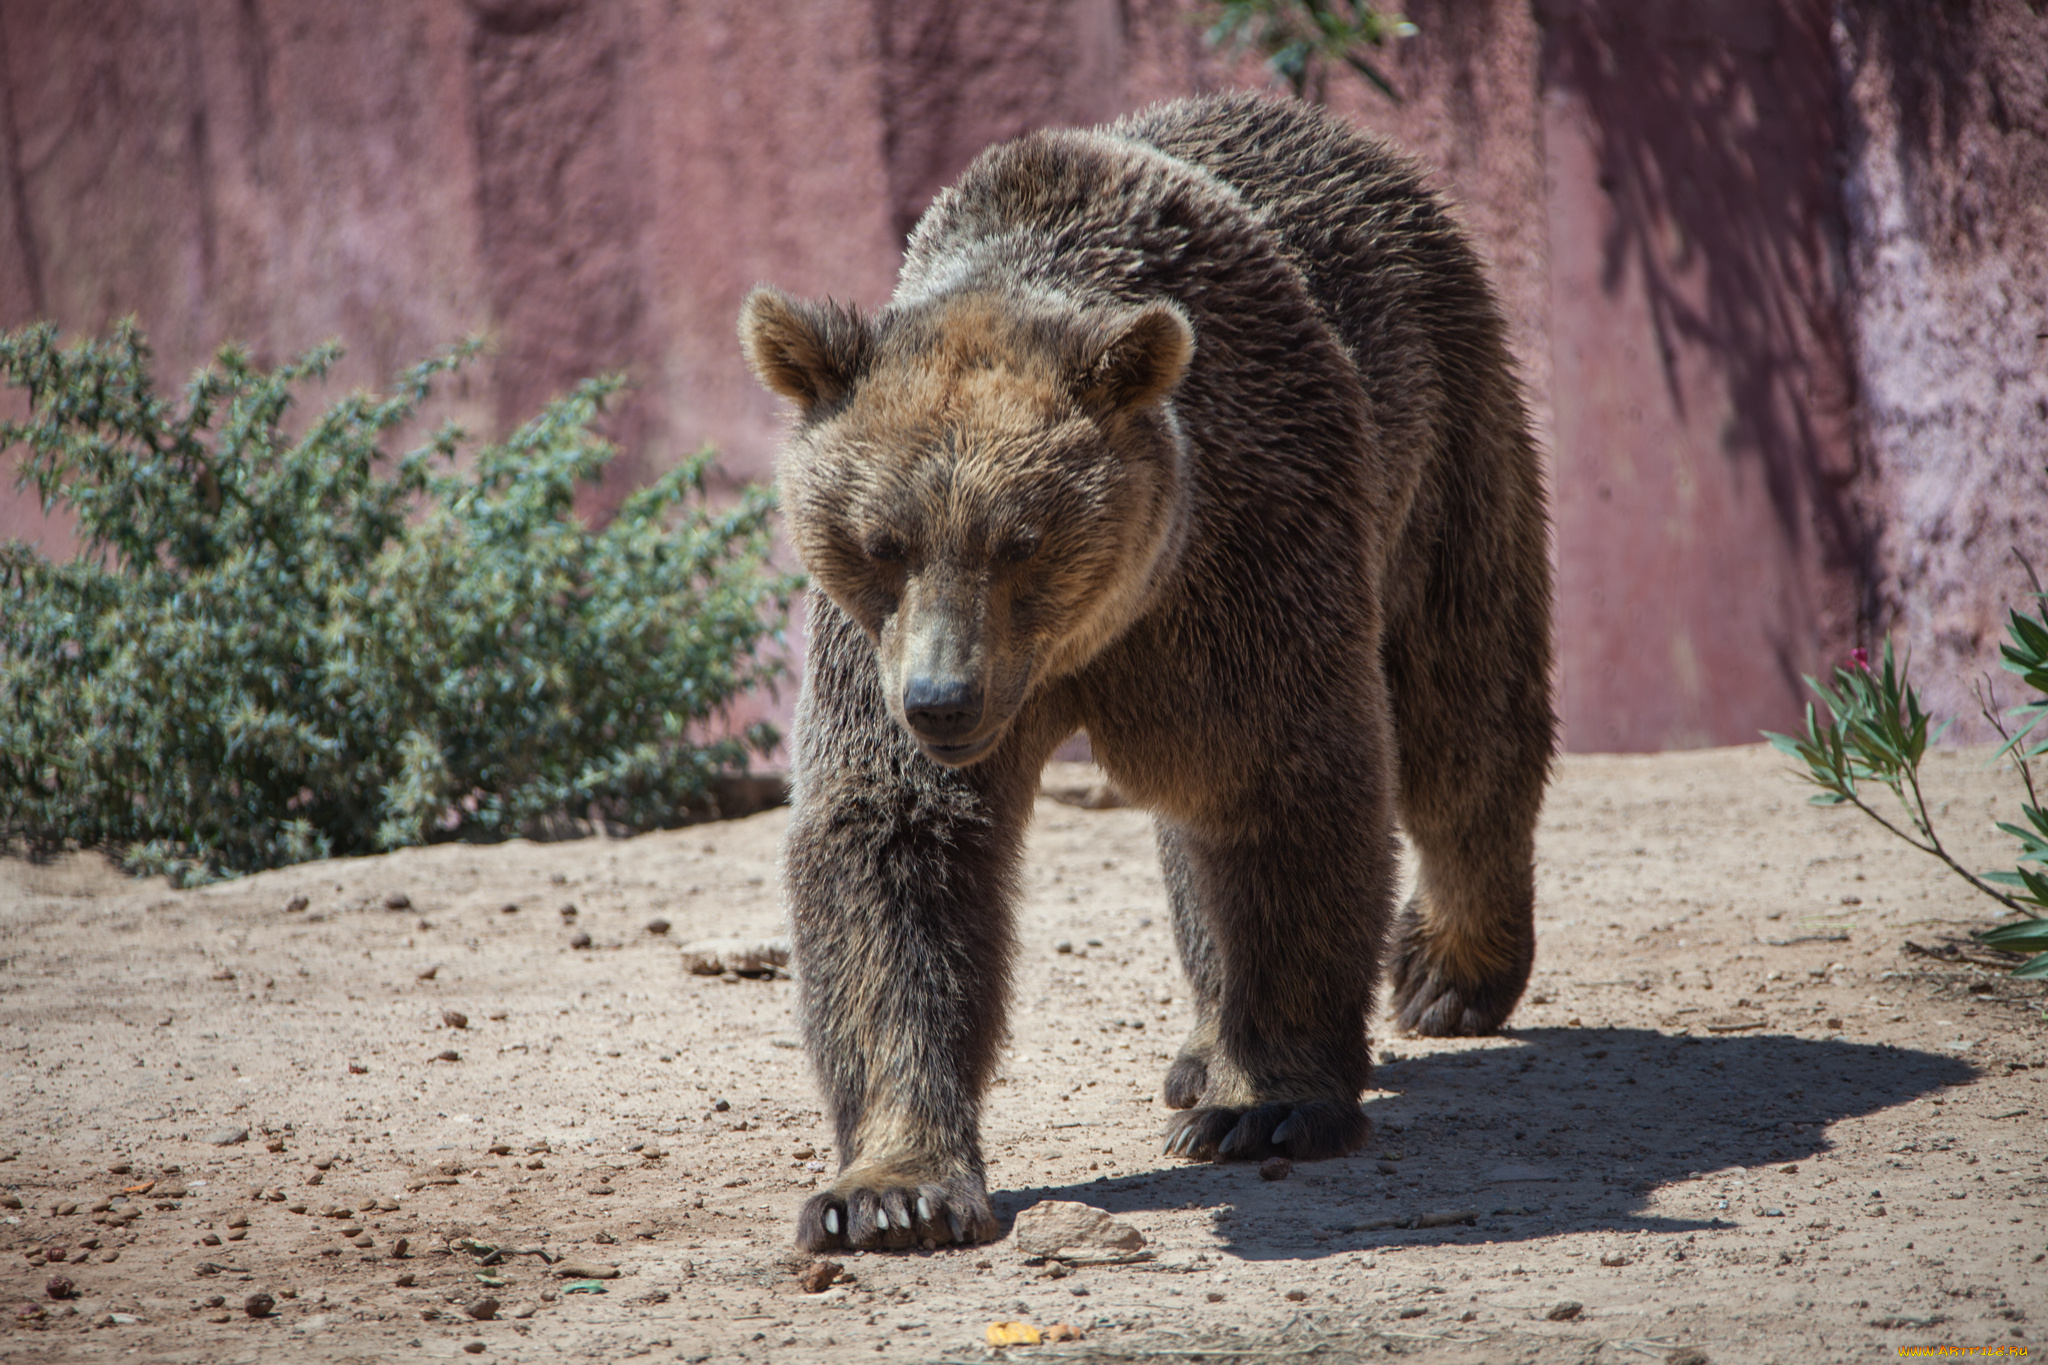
(1468,665)
(1187,1076)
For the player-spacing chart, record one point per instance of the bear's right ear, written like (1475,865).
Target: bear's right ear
(810,352)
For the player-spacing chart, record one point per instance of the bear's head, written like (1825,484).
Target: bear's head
(991,485)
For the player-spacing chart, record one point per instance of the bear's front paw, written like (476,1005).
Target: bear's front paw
(1307,1131)
(1440,993)
(877,1209)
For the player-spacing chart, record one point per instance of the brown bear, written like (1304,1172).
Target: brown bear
(1197,432)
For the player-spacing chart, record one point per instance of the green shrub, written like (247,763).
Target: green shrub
(274,649)
(1877,732)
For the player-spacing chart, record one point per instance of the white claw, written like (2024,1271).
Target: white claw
(1284,1131)
(882,1219)
(924,1208)
(832,1221)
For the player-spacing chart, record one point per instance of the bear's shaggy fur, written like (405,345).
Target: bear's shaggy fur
(1199,433)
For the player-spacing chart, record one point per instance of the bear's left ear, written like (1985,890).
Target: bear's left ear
(1139,358)
(811,352)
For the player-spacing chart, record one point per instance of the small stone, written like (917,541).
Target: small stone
(1297,1295)
(109,1257)
(1411,1312)
(1062,1227)
(429,973)
(227,1137)
(399,1248)
(387,1205)
(366,1241)
(10,1201)
(352,1230)
(1687,1355)
(579,939)
(600,1189)
(499,1149)
(569,911)
(259,1305)
(1065,945)
(570,1268)
(526,1310)
(211,1239)
(60,1287)
(475,1348)
(718,1106)
(484,1309)
(1564,1312)
(1275,1168)
(296,904)
(404,1281)
(1614,1260)
(1213,1297)
(817,1277)
(238,1220)
(274,1145)
(454,1018)
(657,926)
(448,1055)
(509,908)
(398,900)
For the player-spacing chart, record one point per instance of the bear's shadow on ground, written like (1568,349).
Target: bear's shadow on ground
(1568,1130)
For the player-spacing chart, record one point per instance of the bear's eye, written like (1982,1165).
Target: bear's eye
(885,549)
(1016,550)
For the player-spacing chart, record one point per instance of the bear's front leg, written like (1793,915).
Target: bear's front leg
(898,874)
(1280,915)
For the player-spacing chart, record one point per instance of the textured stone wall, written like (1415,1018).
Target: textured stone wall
(1946,189)
(1772,267)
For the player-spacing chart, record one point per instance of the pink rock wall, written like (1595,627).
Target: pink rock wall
(1788,404)
(1946,190)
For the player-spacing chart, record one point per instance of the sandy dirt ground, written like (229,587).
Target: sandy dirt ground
(1758,1106)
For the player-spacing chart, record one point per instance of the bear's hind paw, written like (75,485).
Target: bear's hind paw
(1308,1131)
(1186,1079)
(887,1216)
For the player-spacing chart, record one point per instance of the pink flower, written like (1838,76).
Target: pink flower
(1859,658)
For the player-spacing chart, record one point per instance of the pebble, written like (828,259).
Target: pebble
(352,1230)
(10,1201)
(1565,1311)
(1411,1312)
(475,1348)
(570,1268)
(817,1277)
(1297,1295)
(657,926)
(296,904)
(454,1018)
(398,1250)
(238,1220)
(211,1239)
(398,900)
(259,1305)
(449,1055)
(69,1206)
(1275,1168)
(579,939)
(61,1287)
(526,1310)
(600,1189)
(484,1309)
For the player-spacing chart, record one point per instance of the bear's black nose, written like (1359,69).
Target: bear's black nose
(942,710)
